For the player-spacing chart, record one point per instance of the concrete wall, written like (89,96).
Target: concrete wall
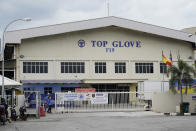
(167,102)
(64,47)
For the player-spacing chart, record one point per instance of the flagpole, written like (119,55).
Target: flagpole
(166,62)
(170,57)
(163,77)
(108,7)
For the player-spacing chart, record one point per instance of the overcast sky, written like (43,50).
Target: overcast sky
(175,14)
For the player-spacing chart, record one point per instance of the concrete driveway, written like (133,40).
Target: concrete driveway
(105,121)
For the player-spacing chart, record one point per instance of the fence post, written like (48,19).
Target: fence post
(38,104)
(55,101)
(112,103)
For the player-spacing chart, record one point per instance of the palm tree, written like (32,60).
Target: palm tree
(180,74)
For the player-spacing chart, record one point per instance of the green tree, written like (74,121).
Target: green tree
(182,73)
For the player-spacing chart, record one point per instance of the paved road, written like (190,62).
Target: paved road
(105,121)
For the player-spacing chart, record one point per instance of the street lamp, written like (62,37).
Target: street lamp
(2,51)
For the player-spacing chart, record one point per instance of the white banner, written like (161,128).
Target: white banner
(60,99)
(95,98)
(84,96)
(77,97)
(99,98)
(71,97)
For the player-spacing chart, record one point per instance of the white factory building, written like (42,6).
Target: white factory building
(107,54)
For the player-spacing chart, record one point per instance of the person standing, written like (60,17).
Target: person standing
(3,102)
(49,104)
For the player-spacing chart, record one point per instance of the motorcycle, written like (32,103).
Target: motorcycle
(2,114)
(22,111)
(13,113)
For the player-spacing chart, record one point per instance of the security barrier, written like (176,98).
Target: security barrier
(99,101)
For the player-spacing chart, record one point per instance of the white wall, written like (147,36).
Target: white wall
(167,102)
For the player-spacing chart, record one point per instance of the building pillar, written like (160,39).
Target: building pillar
(132,95)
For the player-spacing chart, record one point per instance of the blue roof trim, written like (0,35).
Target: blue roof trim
(49,83)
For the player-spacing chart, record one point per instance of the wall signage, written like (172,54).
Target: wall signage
(81,43)
(84,89)
(193,97)
(112,45)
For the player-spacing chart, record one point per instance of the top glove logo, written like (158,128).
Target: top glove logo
(81,43)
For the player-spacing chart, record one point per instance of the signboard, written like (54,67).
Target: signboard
(110,46)
(84,96)
(84,89)
(94,98)
(81,97)
(88,96)
(77,97)
(99,98)
(60,99)
(71,97)
(193,97)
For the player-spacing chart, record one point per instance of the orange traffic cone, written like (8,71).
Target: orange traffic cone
(42,112)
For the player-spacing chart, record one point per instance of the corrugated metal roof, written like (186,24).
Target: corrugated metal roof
(18,35)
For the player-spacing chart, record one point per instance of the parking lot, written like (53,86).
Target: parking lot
(105,121)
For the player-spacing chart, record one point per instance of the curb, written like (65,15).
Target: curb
(178,114)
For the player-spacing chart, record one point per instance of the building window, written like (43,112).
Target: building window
(35,67)
(163,68)
(144,68)
(120,67)
(48,90)
(72,67)
(27,89)
(100,67)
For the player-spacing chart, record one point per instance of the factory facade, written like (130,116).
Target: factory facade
(106,54)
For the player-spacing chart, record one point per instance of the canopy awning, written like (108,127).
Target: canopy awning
(9,82)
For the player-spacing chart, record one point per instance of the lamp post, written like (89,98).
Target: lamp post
(2,51)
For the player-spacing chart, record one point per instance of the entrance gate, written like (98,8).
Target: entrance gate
(99,101)
(32,102)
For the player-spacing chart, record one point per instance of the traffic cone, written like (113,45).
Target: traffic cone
(42,112)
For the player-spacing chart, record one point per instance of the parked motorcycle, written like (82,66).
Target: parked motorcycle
(2,114)
(13,113)
(22,111)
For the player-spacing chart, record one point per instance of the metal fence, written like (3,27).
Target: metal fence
(32,102)
(99,101)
